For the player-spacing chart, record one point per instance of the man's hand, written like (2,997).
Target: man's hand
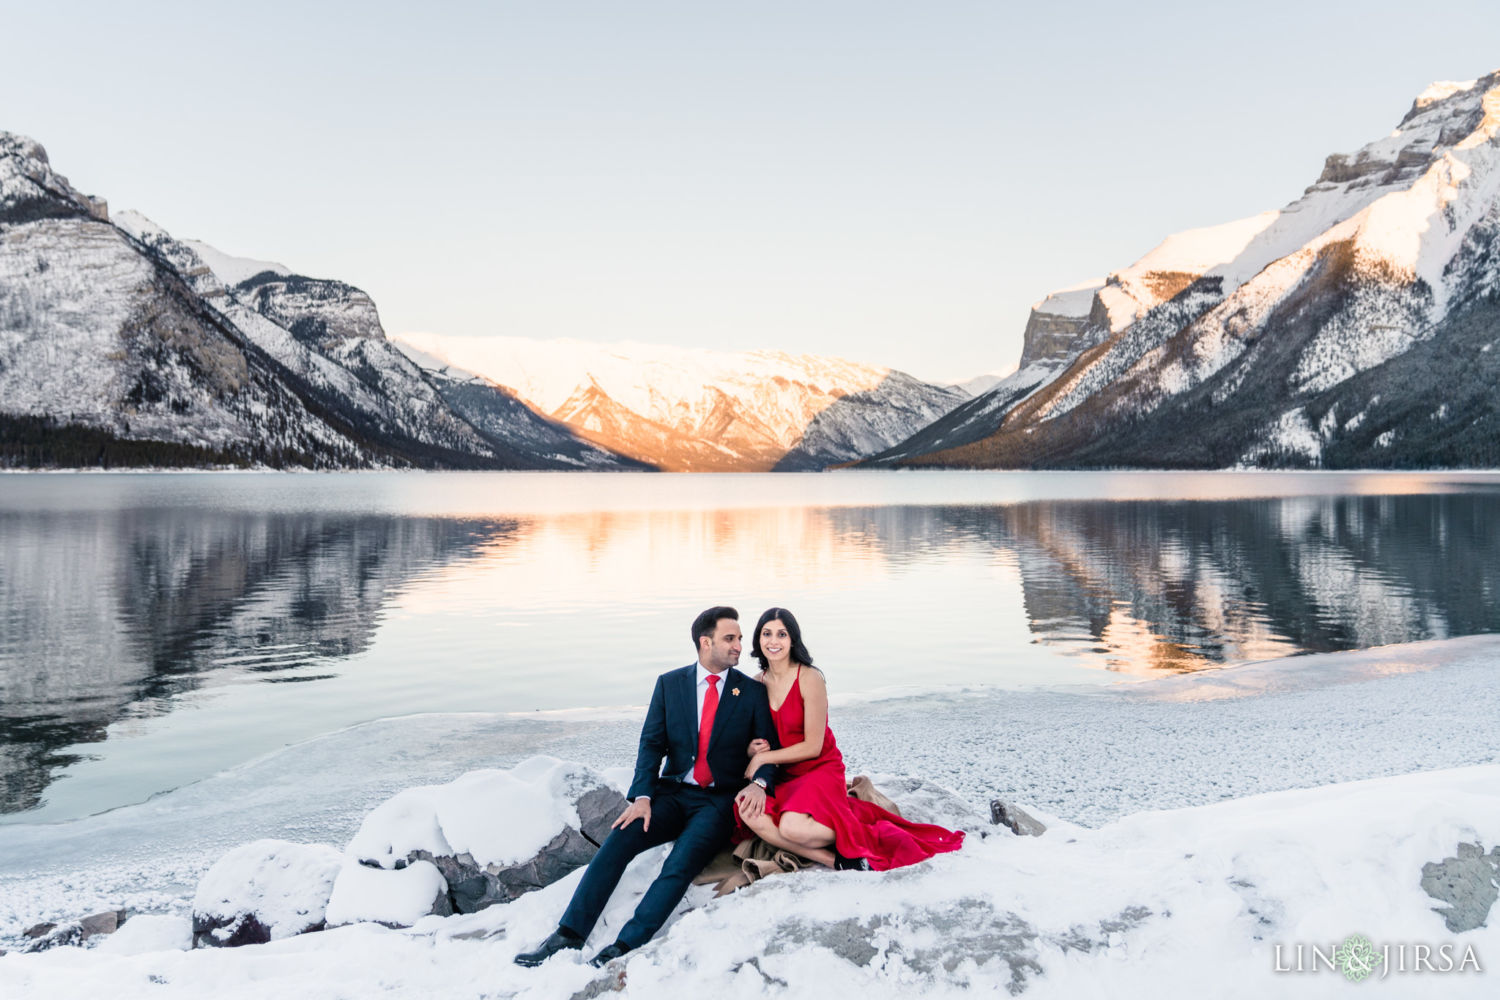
(751,802)
(757,746)
(640,809)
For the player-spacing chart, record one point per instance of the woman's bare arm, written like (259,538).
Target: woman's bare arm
(815,725)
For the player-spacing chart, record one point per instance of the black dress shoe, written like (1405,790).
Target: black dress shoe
(843,864)
(558,940)
(609,954)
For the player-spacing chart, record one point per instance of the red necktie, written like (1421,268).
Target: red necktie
(701,774)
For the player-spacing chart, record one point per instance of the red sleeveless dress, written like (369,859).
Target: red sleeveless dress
(818,788)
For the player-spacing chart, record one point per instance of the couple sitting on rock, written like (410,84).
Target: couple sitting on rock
(705,719)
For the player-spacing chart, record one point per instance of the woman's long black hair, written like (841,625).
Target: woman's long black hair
(799,651)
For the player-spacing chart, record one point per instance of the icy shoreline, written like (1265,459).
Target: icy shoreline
(1133,763)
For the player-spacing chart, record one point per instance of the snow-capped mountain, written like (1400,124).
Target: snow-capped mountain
(119,343)
(1352,328)
(699,410)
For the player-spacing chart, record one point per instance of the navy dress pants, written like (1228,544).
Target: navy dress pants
(699,820)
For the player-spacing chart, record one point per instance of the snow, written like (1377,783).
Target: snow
(1290,433)
(1199,250)
(1173,902)
(639,376)
(981,384)
(232,270)
(61,345)
(137,225)
(652,380)
(498,817)
(1416,232)
(1130,294)
(1442,89)
(284,885)
(145,933)
(374,895)
(1075,301)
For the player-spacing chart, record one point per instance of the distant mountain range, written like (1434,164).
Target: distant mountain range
(699,410)
(1354,328)
(121,345)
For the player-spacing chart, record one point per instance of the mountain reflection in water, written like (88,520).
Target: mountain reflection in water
(108,616)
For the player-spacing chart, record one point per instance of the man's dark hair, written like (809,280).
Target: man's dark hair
(708,622)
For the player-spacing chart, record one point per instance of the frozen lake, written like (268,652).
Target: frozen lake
(156,629)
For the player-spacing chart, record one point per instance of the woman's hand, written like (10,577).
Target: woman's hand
(757,762)
(757,746)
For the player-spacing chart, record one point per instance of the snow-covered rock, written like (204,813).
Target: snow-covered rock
(492,835)
(395,898)
(264,891)
(1015,819)
(148,932)
(75,932)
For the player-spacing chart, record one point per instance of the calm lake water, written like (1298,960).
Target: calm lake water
(158,628)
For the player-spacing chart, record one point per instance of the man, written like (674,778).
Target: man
(702,718)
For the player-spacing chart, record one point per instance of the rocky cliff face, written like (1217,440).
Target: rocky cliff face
(1351,328)
(1061,326)
(120,344)
(96,332)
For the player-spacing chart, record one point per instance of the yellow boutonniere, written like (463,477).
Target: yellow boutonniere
(735,692)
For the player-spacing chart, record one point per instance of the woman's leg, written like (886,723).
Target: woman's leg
(766,829)
(803,829)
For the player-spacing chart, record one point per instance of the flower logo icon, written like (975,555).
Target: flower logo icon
(1356,958)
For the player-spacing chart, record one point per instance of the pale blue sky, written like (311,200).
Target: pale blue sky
(891,182)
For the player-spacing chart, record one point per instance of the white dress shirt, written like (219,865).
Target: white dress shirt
(702,690)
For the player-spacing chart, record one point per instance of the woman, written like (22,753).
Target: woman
(811,813)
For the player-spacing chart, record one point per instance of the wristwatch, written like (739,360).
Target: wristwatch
(761,782)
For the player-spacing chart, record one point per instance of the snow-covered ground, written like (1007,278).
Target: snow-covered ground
(1196,823)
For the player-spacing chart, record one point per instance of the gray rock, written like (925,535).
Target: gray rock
(47,936)
(102,923)
(63,935)
(609,981)
(1468,883)
(944,936)
(472,887)
(597,809)
(215,931)
(1016,819)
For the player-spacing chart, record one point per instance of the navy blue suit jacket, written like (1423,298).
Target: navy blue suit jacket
(671,731)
